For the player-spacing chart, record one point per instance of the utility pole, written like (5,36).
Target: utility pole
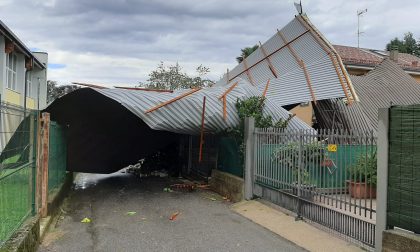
(359,14)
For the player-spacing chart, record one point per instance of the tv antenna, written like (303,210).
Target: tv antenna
(359,14)
(298,7)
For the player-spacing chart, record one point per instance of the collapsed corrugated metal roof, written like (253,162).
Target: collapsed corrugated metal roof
(385,85)
(184,115)
(300,63)
(111,128)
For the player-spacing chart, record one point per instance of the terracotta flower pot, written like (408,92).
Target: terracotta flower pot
(361,190)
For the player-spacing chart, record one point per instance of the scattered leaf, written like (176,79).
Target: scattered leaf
(211,198)
(167,189)
(173,216)
(130,213)
(86,220)
(144,218)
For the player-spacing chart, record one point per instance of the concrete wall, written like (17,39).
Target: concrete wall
(416,77)
(227,185)
(399,240)
(40,78)
(304,113)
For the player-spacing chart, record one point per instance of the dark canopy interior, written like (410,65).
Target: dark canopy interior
(103,136)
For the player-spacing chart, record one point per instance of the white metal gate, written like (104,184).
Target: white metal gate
(326,177)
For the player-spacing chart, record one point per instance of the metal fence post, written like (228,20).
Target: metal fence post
(249,156)
(382,184)
(32,158)
(300,163)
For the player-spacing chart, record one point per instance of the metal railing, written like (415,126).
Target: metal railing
(17,165)
(325,176)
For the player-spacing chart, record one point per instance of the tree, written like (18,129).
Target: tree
(407,45)
(410,43)
(55,91)
(172,77)
(245,52)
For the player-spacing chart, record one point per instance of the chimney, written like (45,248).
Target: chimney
(393,54)
(414,63)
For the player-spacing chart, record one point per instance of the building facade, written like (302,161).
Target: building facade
(23,74)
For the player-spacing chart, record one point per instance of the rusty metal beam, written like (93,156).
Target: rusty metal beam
(172,100)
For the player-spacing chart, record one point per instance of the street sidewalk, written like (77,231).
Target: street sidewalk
(298,232)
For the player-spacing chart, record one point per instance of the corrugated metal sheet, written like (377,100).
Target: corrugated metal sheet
(291,86)
(184,115)
(385,85)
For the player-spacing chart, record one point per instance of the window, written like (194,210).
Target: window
(11,68)
(29,83)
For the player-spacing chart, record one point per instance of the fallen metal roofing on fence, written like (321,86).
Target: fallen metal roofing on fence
(301,65)
(385,85)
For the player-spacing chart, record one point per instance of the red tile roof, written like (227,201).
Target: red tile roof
(370,57)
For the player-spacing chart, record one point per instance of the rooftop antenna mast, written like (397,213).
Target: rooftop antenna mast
(298,7)
(359,14)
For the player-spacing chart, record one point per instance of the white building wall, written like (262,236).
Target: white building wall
(2,67)
(40,78)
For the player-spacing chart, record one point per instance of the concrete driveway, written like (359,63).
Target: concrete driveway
(205,221)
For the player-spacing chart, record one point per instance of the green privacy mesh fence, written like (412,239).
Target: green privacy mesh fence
(57,156)
(229,158)
(404,168)
(17,163)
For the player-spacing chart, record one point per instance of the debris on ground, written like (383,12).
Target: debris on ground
(211,198)
(173,216)
(86,220)
(182,187)
(167,189)
(203,186)
(131,213)
(226,198)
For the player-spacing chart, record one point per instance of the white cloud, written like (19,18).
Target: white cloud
(109,41)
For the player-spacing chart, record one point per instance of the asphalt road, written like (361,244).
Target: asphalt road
(205,222)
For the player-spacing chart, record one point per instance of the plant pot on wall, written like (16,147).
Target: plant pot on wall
(361,190)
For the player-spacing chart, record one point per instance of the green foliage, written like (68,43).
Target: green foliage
(253,107)
(288,155)
(245,52)
(172,77)
(365,169)
(407,45)
(54,91)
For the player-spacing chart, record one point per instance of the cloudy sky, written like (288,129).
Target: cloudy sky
(121,41)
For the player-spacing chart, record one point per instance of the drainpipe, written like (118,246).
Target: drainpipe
(39,85)
(24,93)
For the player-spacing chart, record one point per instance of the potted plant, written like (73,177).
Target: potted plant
(363,177)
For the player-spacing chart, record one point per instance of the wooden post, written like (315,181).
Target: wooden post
(45,138)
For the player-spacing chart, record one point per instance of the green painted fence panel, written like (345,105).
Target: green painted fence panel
(229,158)
(57,156)
(404,168)
(323,174)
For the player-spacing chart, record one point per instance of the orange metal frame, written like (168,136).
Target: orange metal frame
(172,100)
